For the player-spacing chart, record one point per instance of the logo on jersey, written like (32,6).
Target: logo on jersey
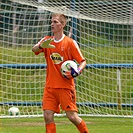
(56,58)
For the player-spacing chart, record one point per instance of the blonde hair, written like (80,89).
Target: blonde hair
(62,18)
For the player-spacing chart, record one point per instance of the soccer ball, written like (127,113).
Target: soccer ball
(14,111)
(66,67)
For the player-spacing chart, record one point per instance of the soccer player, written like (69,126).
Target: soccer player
(60,92)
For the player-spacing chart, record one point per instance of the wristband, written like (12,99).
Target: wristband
(79,70)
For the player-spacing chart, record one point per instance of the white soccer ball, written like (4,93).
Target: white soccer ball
(66,67)
(14,111)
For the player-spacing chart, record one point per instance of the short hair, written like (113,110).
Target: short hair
(62,17)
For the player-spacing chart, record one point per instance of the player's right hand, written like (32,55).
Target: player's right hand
(46,44)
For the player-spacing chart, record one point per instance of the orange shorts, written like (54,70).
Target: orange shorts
(54,98)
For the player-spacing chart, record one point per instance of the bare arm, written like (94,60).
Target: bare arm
(82,65)
(36,48)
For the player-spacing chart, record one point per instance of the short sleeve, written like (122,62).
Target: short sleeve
(76,52)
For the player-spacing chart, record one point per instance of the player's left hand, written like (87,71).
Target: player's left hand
(75,73)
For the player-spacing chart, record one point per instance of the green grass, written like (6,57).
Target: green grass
(94,124)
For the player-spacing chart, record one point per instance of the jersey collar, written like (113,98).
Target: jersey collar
(60,39)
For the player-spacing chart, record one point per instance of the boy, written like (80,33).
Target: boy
(60,91)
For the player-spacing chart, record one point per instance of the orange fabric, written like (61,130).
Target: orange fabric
(66,49)
(82,127)
(50,128)
(53,99)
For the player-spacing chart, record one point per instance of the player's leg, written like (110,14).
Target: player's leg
(77,121)
(68,103)
(50,106)
(49,121)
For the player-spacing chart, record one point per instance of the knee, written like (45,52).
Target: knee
(48,116)
(73,117)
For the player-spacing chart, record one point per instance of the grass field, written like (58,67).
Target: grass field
(27,85)
(95,125)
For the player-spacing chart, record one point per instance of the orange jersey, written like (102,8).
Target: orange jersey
(65,49)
